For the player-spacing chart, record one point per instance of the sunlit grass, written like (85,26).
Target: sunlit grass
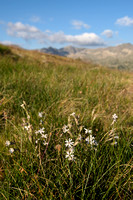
(58,137)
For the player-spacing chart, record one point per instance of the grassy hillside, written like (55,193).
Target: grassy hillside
(58,137)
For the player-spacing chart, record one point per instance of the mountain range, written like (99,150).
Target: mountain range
(119,57)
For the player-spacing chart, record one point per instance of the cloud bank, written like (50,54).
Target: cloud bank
(27,32)
(125,21)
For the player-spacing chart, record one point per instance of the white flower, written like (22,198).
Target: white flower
(27,127)
(41,122)
(36,132)
(11,150)
(40,114)
(65,129)
(23,106)
(44,135)
(87,131)
(114,116)
(41,131)
(114,143)
(72,114)
(70,155)
(116,137)
(45,143)
(91,140)
(37,141)
(7,143)
(69,143)
(71,150)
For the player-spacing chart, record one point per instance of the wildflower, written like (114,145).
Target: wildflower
(114,116)
(11,150)
(41,121)
(65,129)
(23,106)
(87,131)
(71,150)
(70,154)
(69,143)
(72,114)
(44,135)
(45,143)
(27,127)
(116,137)
(36,132)
(7,143)
(37,141)
(41,131)
(91,140)
(114,143)
(40,114)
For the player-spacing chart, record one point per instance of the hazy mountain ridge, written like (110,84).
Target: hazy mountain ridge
(66,51)
(120,56)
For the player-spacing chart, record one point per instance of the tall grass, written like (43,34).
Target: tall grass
(40,170)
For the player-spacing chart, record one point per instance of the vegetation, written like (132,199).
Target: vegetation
(66,129)
(4,50)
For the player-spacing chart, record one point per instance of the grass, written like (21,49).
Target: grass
(57,87)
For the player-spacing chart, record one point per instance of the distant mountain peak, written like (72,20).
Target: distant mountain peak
(120,56)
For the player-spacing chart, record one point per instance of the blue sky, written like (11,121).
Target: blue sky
(36,24)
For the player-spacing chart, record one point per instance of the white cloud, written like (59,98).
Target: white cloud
(125,21)
(85,39)
(35,19)
(77,24)
(108,33)
(6,42)
(28,32)
(20,30)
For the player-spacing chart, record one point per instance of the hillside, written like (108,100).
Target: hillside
(119,57)
(66,128)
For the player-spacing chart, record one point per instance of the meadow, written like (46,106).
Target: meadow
(65,128)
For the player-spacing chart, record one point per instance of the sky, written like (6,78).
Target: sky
(35,24)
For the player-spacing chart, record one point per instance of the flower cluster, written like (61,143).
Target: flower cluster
(8,143)
(114,116)
(70,150)
(115,137)
(91,140)
(74,128)
(65,129)
(87,131)
(77,128)
(40,136)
